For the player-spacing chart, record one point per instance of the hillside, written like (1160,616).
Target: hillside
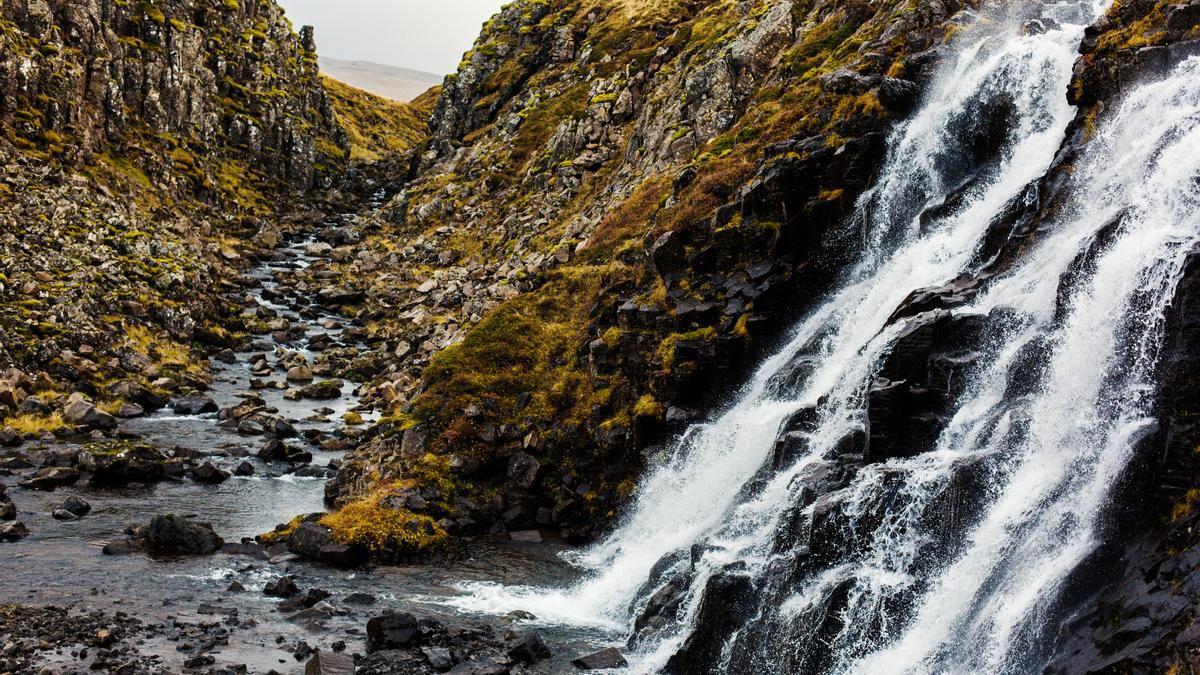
(400,84)
(151,152)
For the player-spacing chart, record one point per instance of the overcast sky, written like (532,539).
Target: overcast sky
(429,35)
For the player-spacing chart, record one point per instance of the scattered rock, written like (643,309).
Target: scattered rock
(210,474)
(13,531)
(283,587)
(194,405)
(528,647)
(329,663)
(392,631)
(601,660)
(174,535)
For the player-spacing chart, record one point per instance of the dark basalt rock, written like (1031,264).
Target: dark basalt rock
(194,405)
(50,478)
(209,473)
(601,660)
(169,535)
(392,631)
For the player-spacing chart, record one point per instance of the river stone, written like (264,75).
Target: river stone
(133,392)
(171,534)
(8,510)
(330,663)
(528,647)
(392,631)
(244,469)
(50,478)
(323,391)
(194,405)
(300,374)
(76,506)
(601,660)
(13,531)
(130,411)
(283,587)
(82,413)
(209,473)
(63,514)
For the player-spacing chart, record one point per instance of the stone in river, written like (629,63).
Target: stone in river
(76,506)
(300,374)
(601,660)
(244,469)
(323,391)
(50,478)
(175,535)
(13,531)
(528,647)
(63,514)
(194,405)
(392,631)
(209,473)
(283,587)
(329,663)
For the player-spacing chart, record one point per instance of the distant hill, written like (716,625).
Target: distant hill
(400,84)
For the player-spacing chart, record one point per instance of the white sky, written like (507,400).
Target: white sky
(428,35)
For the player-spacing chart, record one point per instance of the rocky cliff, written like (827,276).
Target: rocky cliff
(620,207)
(149,151)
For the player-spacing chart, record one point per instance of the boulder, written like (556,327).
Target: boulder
(323,391)
(135,393)
(13,531)
(283,587)
(50,478)
(82,413)
(210,474)
(330,663)
(197,404)
(604,659)
(8,510)
(137,464)
(76,506)
(528,647)
(174,535)
(244,469)
(392,631)
(300,374)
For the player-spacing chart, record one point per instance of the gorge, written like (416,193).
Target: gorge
(678,336)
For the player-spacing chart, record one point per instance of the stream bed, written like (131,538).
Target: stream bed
(62,564)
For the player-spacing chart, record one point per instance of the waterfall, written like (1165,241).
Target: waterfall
(950,559)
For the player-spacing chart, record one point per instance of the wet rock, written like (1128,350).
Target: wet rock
(210,474)
(121,465)
(528,647)
(283,587)
(174,535)
(130,411)
(329,663)
(300,374)
(439,658)
(235,587)
(392,631)
(601,660)
(359,598)
(523,470)
(323,391)
(244,469)
(62,514)
(194,405)
(50,478)
(76,506)
(13,531)
(8,510)
(83,414)
(134,393)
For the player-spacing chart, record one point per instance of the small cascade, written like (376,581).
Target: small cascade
(908,490)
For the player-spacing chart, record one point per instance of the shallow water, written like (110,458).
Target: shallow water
(61,563)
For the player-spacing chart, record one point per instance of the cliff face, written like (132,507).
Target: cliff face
(78,79)
(149,149)
(620,207)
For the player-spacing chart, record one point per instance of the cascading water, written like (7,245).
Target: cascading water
(891,568)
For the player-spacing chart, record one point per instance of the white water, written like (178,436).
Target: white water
(1051,457)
